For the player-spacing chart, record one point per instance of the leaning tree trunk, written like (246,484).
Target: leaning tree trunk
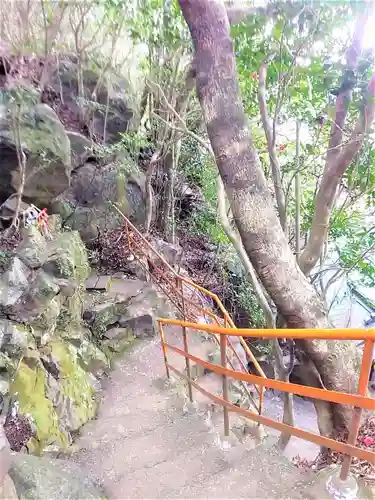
(251,203)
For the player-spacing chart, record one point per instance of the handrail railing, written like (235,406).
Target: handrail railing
(358,401)
(173,285)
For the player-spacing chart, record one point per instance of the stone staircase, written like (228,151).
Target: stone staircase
(150,442)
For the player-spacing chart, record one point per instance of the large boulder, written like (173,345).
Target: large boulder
(127,311)
(86,205)
(36,299)
(81,149)
(67,257)
(38,478)
(13,338)
(45,149)
(14,280)
(172,253)
(107,107)
(48,358)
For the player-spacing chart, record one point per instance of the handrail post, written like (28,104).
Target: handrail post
(162,339)
(357,412)
(184,335)
(223,356)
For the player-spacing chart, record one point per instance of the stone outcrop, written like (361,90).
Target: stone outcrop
(47,355)
(127,311)
(37,478)
(87,205)
(32,131)
(107,106)
(59,332)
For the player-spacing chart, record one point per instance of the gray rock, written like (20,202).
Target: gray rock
(38,478)
(113,104)
(142,326)
(33,248)
(171,253)
(8,490)
(118,339)
(4,389)
(85,205)
(67,257)
(98,283)
(150,301)
(31,304)
(81,148)
(68,287)
(9,207)
(103,311)
(138,268)
(13,283)
(47,149)
(5,459)
(13,338)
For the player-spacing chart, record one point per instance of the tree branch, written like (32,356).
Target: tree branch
(271,146)
(332,176)
(344,98)
(339,155)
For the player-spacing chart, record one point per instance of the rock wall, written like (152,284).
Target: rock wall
(49,360)
(55,147)
(60,328)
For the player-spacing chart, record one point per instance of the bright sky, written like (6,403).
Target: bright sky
(369,38)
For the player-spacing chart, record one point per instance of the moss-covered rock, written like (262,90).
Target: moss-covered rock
(87,204)
(7,365)
(45,144)
(45,325)
(91,358)
(33,248)
(117,340)
(53,388)
(14,338)
(67,257)
(101,315)
(36,299)
(77,403)
(69,323)
(29,388)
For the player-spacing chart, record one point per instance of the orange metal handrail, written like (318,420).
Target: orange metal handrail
(359,401)
(287,333)
(224,328)
(181,279)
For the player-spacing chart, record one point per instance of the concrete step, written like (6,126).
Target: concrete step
(147,442)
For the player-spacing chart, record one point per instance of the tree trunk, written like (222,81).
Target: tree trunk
(251,204)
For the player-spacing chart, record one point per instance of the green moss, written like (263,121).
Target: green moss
(30,387)
(74,382)
(47,321)
(71,312)
(69,257)
(115,349)
(5,258)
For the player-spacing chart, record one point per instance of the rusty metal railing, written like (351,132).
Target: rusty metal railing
(358,401)
(192,309)
(187,296)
